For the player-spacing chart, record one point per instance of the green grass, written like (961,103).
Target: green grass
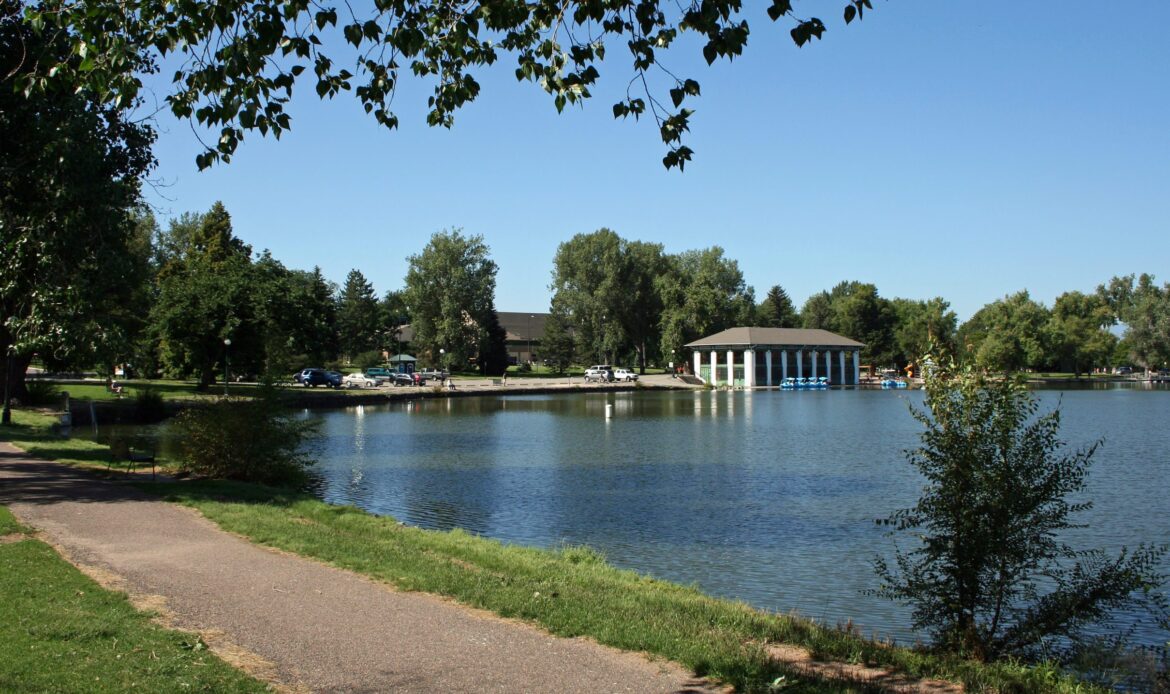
(61,632)
(34,433)
(570,592)
(573,592)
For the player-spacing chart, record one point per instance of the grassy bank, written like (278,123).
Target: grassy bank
(61,632)
(569,592)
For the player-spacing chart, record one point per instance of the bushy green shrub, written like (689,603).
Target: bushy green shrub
(367,359)
(42,393)
(148,405)
(255,439)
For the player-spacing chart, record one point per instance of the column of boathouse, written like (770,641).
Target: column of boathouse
(753,357)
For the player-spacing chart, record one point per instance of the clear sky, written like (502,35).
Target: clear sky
(963,149)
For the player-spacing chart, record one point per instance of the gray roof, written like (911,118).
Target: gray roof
(774,337)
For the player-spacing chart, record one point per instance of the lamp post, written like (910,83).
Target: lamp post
(442,359)
(227,364)
(529,338)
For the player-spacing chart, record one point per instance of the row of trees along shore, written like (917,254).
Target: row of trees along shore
(169,298)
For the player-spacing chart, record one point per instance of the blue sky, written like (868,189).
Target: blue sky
(959,149)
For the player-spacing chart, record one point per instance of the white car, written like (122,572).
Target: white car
(358,380)
(622,374)
(602,373)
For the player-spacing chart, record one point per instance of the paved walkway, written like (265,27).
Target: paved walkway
(301,624)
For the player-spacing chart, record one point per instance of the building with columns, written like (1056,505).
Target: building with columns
(763,357)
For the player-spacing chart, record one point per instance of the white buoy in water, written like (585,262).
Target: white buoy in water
(609,410)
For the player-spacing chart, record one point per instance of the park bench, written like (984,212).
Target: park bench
(121,452)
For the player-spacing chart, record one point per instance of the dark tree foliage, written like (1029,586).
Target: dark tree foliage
(776,310)
(70,170)
(493,349)
(237,63)
(556,344)
(990,575)
(358,318)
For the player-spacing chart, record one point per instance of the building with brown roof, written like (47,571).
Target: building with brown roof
(763,357)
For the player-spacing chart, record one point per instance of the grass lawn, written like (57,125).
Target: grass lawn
(61,632)
(569,592)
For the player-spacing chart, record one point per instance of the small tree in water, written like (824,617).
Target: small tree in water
(991,575)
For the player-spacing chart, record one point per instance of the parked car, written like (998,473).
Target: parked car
(600,373)
(359,380)
(379,374)
(402,379)
(319,377)
(1123,370)
(434,374)
(623,374)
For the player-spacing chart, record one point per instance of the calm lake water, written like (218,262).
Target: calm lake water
(766,497)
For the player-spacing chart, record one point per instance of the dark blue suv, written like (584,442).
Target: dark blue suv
(318,377)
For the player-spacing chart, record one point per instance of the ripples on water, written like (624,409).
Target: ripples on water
(767,497)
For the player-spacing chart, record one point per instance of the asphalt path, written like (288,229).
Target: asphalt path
(300,624)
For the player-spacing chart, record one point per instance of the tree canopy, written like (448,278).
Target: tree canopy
(235,65)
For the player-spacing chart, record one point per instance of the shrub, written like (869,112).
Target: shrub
(148,405)
(366,360)
(989,575)
(254,439)
(42,393)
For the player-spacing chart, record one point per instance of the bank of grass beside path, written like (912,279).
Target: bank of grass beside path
(61,632)
(571,591)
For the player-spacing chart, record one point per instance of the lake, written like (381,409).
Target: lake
(768,497)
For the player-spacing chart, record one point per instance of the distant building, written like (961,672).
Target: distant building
(763,357)
(524,331)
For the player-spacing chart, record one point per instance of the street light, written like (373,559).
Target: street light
(530,338)
(227,364)
(442,359)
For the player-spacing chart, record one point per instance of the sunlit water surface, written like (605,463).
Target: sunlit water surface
(766,497)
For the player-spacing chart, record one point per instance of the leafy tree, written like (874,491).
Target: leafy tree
(556,344)
(450,288)
(817,312)
(204,297)
(1007,334)
(1144,308)
(776,310)
(70,171)
(989,575)
(394,315)
(702,293)
(493,348)
(236,67)
(855,310)
(358,318)
(607,287)
(587,287)
(1078,331)
(923,326)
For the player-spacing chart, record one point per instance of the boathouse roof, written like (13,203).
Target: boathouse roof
(774,337)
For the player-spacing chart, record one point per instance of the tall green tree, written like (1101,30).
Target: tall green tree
(205,295)
(855,310)
(702,293)
(450,288)
(556,344)
(70,171)
(922,327)
(1078,332)
(777,310)
(1144,307)
(358,318)
(606,287)
(588,288)
(989,573)
(395,314)
(1007,334)
(236,67)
